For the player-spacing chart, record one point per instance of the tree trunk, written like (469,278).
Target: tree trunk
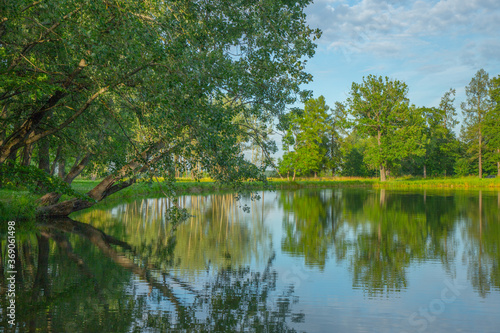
(3,116)
(17,139)
(43,160)
(53,197)
(56,160)
(43,155)
(107,186)
(27,155)
(382,166)
(13,155)
(382,173)
(331,154)
(77,169)
(61,172)
(425,171)
(293,179)
(498,163)
(480,154)
(22,132)
(98,193)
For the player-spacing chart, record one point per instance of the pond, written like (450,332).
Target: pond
(311,260)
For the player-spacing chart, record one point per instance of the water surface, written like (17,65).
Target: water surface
(329,260)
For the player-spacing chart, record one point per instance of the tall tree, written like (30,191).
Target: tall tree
(448,110)
(492,123)
(169,75)
(338,126)
(440,144)
(381,110)
(475,108)
(309,133)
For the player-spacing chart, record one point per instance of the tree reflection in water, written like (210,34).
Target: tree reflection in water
(75,278)
(380,234)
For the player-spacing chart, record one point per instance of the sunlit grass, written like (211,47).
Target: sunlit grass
(207,184)
(19,204)
(458,182)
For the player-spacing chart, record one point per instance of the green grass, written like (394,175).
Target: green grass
(459,182)
(206,185)
(17,205)
(21,205)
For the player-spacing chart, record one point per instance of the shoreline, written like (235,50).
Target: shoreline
(21,205)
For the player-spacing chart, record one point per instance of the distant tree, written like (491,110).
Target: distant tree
(286,164)
(353,152)
(440,144)
(254,139)
(448,110)
(338,126)
(308,133)
(475,108)
(313,136)
(381,110)
(288,125)
(492,123)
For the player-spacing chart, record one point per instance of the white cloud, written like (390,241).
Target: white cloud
(432,45)
(384,27)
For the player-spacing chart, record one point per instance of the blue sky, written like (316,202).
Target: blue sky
(430,45)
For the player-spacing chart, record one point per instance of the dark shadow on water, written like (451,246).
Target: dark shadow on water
(73,277)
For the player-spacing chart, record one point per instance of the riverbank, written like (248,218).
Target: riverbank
(21,205)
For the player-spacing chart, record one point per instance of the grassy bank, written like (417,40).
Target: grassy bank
(17,205)
(456,183)
(188,186)
(21,205)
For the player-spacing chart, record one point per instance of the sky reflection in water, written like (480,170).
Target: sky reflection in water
(343,260)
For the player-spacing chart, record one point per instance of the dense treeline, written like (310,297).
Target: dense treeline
(377,132)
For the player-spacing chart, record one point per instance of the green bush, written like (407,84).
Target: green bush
(16,206)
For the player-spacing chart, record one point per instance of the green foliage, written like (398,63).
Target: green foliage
(462,167)
(16,206)
(441,146)
(353,156)
(13,175)
(311,134)
(492,126)
(381,110)
(475,109)
(149,88)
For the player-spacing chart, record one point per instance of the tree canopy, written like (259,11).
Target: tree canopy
(133,86)
(381,110)
(308,133)
(475,108)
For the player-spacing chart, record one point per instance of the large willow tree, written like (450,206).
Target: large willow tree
(140,85)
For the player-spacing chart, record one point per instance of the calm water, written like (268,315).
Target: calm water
(331,260)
